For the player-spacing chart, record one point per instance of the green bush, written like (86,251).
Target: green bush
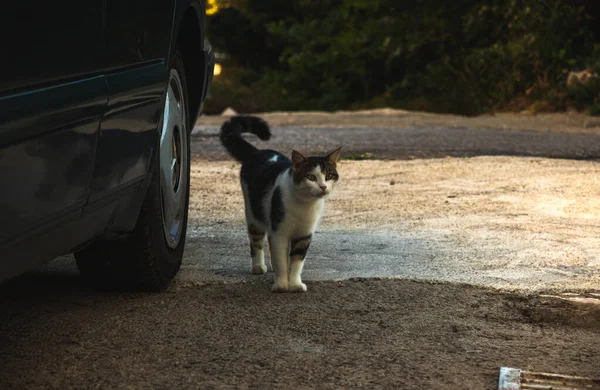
(465,56)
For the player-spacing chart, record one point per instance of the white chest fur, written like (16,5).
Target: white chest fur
(301,216)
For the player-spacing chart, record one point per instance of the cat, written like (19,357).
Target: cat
(283,199)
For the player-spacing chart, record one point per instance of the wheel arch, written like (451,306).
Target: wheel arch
(187,34)
(196,54)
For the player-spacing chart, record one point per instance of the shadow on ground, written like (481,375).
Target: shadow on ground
(56,333)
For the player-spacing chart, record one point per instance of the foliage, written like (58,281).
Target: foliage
(465,56)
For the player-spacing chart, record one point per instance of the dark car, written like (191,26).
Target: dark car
(97,102)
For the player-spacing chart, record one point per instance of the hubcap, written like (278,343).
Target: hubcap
(173,161)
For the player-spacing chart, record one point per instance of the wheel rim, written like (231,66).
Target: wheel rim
(173,161)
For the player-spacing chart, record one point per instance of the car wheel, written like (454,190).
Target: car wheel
(151,255)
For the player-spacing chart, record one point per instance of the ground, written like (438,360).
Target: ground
(346,334)
(506,222)
(570,122)
(425,273)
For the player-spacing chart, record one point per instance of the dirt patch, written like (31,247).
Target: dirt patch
(416,136)
(569,122)
(371,333)
(351,334)
(515,216)
(572,309)
(362,333)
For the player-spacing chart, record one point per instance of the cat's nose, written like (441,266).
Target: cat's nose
(323,188)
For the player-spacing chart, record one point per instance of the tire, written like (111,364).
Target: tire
(150,257)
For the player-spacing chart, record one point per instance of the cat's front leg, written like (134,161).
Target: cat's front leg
(298,248)
(278,246)
(257,238)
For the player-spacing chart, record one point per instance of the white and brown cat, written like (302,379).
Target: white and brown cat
(284,199)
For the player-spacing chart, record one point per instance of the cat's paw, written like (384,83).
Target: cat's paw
(259,269)
(280,286)
(301,287)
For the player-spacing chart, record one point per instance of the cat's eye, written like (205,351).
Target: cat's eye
(329,176)
(311,177)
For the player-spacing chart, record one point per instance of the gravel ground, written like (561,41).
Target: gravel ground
(523,228)
(352,334)
(396,134)
(505,222)
(571,122)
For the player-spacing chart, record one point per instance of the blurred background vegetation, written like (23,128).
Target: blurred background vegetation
(464,56)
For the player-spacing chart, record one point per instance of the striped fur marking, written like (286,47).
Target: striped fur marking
(299,246)
(257,239)
(255,230)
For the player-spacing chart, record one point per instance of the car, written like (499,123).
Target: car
(97,102)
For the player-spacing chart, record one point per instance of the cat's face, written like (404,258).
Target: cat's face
(315,177)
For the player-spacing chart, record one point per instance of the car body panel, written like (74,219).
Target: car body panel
(43,44)
(46,161)
(128,132)
(134,41)
(36,112)
(80,111)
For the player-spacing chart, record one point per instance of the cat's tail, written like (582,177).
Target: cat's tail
(231,135)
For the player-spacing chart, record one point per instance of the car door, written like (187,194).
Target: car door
(138,39)
(52,96)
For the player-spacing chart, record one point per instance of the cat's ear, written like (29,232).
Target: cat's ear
(297,158)
(333,156)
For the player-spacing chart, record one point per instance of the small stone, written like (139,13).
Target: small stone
(229,112)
